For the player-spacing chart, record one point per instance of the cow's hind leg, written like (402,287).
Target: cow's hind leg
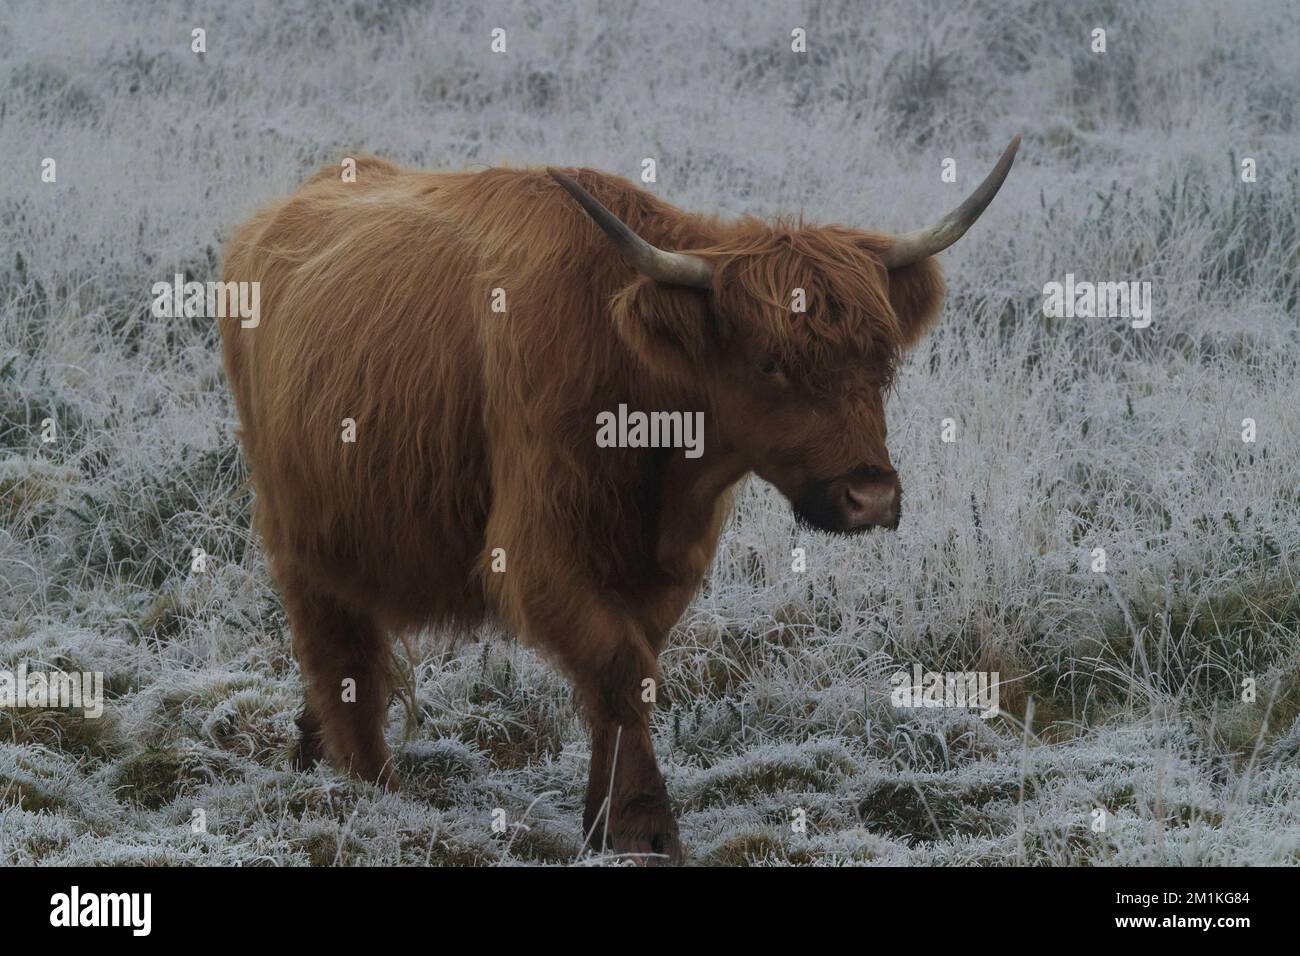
(344,658)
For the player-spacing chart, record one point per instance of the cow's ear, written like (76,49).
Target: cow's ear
(665,327)
(916,293)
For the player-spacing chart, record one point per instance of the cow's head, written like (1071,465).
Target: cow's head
(795,343)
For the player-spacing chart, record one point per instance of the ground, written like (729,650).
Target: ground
(1130,733)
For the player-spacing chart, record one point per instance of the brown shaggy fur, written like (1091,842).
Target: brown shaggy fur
(475,430)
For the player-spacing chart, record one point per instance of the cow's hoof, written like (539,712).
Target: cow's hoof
(391,781)
(309,748)
(382,774)
(645,832)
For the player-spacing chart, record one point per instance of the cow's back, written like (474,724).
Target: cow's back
(369,315)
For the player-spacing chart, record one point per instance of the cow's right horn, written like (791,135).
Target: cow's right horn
(675,268)
(915,246)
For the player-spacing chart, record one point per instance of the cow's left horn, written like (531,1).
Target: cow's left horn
(915,246)
(675,268)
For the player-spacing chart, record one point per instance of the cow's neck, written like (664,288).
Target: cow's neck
(695,499)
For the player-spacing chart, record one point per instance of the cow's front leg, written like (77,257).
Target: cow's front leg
(625,778)
(609,661)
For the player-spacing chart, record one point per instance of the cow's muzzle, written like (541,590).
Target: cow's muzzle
(864,498)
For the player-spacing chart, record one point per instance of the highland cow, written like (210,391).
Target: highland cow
(473,484)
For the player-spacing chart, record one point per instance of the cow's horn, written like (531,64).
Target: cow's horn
(676,268)
(915,246)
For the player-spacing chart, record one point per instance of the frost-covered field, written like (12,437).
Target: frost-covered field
(1071,434)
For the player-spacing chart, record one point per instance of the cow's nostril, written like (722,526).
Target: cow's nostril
(870,504)
(856,502)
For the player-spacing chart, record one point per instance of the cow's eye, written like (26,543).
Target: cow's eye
(769,367)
